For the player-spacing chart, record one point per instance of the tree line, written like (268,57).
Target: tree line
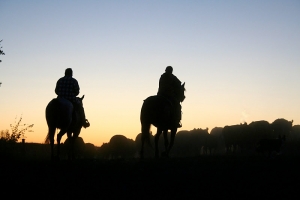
(239,139)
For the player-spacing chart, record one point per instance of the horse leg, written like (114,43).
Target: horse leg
(158,133)
(166,141)
(72,142)
(173,133)
(58,139)
(144,136)
(71,150)
(70,146)
(51,138)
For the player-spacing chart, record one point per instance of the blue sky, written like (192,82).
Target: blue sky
(239,59)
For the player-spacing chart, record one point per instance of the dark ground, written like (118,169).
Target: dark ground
(174,178)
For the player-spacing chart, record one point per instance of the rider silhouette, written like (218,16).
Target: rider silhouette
(67,87)
(168,84)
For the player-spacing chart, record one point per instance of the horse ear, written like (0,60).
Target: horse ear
(183,84)
(82,97)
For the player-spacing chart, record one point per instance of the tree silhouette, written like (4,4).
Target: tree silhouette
(8,141)
(1,51)
(18,131)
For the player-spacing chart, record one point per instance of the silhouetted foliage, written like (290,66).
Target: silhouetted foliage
(270,147)
(78,151)
(118,147)
(1,51)
(90,151)
(191,143)
(9,148)
(241,139)
(293,142)
(18,131)
(215,142)
(4,135)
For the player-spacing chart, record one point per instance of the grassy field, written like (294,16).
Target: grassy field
(237,177)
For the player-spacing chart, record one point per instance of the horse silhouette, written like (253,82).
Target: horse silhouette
(159,111)
(59,114)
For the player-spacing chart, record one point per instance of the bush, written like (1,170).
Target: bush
(18,131)
(9,140)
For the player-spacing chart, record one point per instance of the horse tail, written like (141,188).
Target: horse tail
(146,117)
(51,110)
(51,133)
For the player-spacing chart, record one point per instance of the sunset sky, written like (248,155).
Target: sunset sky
(240,60)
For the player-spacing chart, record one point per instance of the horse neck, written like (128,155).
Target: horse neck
(178,95)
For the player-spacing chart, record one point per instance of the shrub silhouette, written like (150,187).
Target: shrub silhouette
(118,147)
(79,148)
(8,147)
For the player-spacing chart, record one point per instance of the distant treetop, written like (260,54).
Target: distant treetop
(1,51)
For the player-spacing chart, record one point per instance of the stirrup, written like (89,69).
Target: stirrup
(86,123)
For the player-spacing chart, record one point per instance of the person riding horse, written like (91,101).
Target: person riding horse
(67,87)
(168,85)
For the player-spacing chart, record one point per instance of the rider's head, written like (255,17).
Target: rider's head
(169,70)
(69,72)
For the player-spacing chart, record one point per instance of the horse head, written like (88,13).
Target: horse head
(80,99)
(180,93)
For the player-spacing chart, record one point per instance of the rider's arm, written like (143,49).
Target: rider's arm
(57,88)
